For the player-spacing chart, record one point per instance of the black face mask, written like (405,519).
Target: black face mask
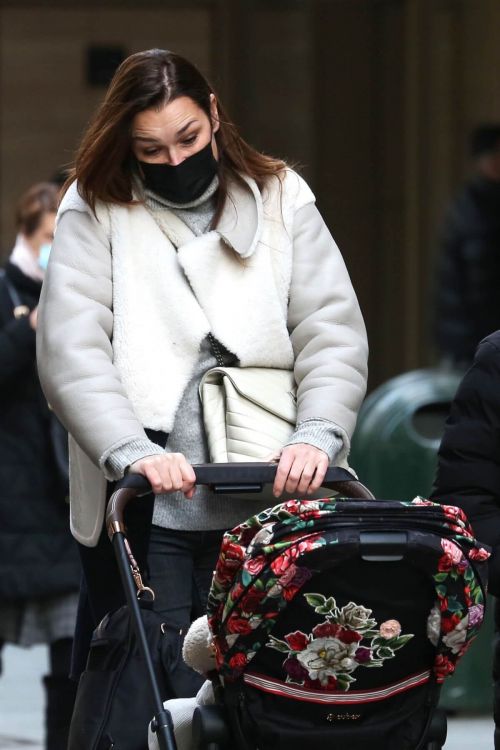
(184,182)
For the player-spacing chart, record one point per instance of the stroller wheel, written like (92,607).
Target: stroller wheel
(210,730)
(437,731)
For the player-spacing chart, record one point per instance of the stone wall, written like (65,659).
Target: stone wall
(372,98)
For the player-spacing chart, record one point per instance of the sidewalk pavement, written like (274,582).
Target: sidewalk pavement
(22,698)
(21,707)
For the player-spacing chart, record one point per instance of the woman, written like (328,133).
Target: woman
(179,241)
(39,567)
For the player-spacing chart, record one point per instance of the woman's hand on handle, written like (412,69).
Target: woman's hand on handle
(167,472)
(301,470)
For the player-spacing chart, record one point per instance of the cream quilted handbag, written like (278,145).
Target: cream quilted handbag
(249,412)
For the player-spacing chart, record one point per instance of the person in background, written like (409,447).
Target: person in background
(39,566)
(468,472)
(468,303)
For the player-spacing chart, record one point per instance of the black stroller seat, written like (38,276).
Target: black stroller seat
(336,621)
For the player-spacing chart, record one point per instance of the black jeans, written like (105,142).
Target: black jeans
(181,565)
(101,588)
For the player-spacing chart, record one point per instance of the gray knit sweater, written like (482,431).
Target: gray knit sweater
(205,510)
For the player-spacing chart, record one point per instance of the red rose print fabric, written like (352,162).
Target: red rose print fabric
(263,566)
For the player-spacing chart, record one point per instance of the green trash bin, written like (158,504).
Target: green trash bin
(394,452)
(400,425)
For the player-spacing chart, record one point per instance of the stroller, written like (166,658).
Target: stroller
(334,621)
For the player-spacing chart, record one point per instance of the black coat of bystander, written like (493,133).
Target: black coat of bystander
(38,556)
(468,303)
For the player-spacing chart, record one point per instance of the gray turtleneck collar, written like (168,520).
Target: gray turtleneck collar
(197,214)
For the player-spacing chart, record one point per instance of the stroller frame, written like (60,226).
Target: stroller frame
(210,731)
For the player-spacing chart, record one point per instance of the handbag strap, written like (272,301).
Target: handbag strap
(216,350)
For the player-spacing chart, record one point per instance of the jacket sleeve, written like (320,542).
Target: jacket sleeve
(326,328)
(468,471)
(75,357)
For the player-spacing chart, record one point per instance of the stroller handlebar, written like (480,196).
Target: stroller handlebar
(226,478)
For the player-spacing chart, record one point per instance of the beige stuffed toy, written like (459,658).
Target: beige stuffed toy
(198,654)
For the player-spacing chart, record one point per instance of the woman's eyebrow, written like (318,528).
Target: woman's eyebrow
(147,138)
(186,126)
(150,139)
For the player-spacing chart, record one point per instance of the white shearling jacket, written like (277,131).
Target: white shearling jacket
(125,305)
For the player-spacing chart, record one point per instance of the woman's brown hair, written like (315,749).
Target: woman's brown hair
(104,161)
(32,206)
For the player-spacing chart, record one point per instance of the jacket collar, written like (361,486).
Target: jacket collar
(244,202)
(240,224)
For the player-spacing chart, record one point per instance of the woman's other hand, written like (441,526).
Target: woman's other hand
(301,470)
(167,472)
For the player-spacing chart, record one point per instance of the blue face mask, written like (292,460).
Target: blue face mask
(43,255)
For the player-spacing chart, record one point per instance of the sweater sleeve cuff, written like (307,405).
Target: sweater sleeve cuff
(117,460)
(322,434)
